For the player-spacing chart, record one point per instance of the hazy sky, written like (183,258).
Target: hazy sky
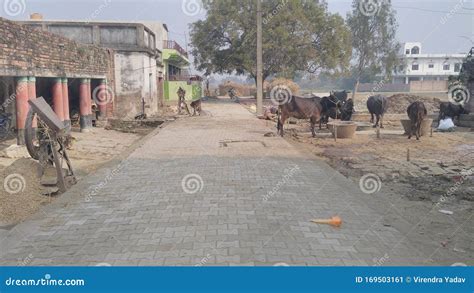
(437,24)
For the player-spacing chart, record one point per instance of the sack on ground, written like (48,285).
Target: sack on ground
(446,124)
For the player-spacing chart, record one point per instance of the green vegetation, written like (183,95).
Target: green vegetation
(298,36)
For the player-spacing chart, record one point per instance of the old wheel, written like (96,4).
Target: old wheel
(44,145)
(32,134)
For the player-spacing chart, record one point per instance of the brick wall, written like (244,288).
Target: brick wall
(383,87)
(429,86)
(25,51)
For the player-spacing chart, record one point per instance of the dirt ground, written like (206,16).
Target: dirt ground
(430,197)
(21,192)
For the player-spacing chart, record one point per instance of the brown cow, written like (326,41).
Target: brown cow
(416,112)
(196,105)
(299,108)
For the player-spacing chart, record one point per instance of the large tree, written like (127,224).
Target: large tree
(298,35)
(375,48)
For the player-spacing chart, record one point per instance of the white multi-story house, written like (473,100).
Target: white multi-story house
(418,67)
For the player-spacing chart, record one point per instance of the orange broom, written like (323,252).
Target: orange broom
(334,221)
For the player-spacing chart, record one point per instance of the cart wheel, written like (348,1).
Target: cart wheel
(31,140)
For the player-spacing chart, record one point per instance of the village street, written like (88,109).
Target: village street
(210,190)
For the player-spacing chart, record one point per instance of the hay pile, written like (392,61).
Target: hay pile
(241,90)
(283,82)
(398,104)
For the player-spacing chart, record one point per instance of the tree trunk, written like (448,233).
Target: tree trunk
(356,88)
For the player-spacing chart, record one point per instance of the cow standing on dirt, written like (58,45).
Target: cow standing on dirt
(416,112)
(447,109)
(196,105)
(330,107)
(300,108)
(377,105)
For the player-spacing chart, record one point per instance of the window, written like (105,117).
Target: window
(415,50)
(414,66)
(446,66)
(407,51)
(431,65)
(401,68)
(457,67)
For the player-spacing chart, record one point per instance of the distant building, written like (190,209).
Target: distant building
(136,59)
(175,66)
(67,74)
(417,66)
(149,68)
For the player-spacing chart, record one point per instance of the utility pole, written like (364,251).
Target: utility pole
(259,60)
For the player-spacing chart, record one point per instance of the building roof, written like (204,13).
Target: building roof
(434,55)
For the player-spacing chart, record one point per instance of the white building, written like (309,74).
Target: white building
(418,67)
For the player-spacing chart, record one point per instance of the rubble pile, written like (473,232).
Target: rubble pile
(398,103)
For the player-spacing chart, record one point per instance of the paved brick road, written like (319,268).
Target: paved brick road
(210,190)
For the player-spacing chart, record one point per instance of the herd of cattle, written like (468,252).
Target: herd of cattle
(338,106)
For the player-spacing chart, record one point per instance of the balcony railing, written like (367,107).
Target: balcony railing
(184,77)
(174,45)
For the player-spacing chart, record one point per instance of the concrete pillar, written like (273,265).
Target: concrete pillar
(102,98)
(67,119)
(89,96)
(32,95)
(58,105)
(406,80)
(84,105)
(21,108)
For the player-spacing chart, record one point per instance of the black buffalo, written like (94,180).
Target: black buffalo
(416,112)
(341,96)
(447,109)
(347,110)
(330,107)
(300,108)
(377,105)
